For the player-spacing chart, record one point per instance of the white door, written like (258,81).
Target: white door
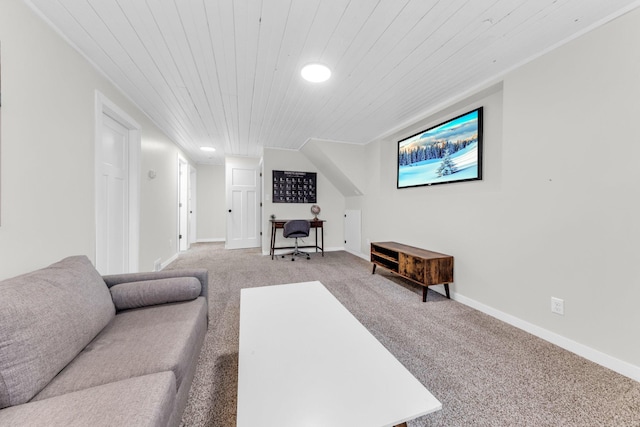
(193,236)
(352,230)
(112,245)
(183,205)
(243,201)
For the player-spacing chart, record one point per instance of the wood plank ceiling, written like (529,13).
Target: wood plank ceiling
(226,73)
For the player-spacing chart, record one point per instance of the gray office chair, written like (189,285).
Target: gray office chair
(294,229)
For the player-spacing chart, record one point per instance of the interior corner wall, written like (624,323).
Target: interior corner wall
(329,198)
(556,214)
(211,203)
(47,154)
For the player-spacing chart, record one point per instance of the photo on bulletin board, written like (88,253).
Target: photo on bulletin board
(294,187)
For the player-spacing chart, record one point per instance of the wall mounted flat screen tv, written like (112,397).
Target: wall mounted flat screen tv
(446,153)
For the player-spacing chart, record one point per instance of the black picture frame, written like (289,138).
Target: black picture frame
(294,187)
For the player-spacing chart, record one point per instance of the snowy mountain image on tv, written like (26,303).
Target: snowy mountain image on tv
(449,152)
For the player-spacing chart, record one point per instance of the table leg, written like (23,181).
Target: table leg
(446,290)
(374,269)
(273,240)
(424,293)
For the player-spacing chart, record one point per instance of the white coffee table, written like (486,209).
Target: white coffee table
(305,361)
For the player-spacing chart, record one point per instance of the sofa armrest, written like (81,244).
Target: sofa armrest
(199,273)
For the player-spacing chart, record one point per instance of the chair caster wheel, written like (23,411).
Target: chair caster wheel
(293,259)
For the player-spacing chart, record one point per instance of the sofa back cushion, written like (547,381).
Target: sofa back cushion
(46,318)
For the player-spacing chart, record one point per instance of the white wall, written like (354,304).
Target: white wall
(348,157)
(211,202)
(571,174)
(557,211)
(159,198)
(330,200)
(47,152)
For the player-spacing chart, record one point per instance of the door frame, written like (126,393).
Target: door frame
(104,106)
(193,193)
(353,231)
(253,164)
(183,198)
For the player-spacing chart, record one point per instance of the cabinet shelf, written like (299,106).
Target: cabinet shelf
(385,257)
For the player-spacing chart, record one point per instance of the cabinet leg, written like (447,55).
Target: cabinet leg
(446,290)
(374,269)
(424,293)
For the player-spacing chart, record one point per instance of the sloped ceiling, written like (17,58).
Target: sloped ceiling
(226,73)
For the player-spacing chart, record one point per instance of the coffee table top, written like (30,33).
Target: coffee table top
(304,360)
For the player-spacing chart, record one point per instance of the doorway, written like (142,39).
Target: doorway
(352,231)
(193,235)
(242,176)
(183,204)
(117,209)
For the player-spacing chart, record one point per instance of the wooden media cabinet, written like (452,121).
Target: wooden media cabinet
(421,266)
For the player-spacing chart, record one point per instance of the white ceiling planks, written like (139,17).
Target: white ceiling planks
(300,96)
(332,34)
(288,88)
(138,62)
(274,22)
(393,74)
(225,73)
(200,78)
(247,24)
(191,98)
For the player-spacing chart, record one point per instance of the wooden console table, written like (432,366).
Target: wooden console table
(421,266)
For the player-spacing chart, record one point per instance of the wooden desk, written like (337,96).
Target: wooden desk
(421,266)
(305,360)
(279,223)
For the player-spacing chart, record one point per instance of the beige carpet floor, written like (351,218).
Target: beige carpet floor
(484,371)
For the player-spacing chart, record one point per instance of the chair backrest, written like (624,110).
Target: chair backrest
(296,228)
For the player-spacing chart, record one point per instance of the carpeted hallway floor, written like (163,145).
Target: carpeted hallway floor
(485,372)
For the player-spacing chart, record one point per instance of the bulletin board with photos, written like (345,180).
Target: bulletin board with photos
(294,187)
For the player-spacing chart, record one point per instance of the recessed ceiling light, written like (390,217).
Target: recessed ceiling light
(210,149)
(315,73)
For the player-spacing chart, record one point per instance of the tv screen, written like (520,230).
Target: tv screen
(448,152)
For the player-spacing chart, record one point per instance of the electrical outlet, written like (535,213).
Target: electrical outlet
(557,306)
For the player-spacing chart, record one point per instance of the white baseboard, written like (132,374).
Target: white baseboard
(617,365)
(603,359)
(211,240)
(365,257)
(169,261)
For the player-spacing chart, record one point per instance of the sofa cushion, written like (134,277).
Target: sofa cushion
(48,316)
(137,342)
(153,292)
(141,401)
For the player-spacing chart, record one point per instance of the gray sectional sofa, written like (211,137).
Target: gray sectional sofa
(78,349)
